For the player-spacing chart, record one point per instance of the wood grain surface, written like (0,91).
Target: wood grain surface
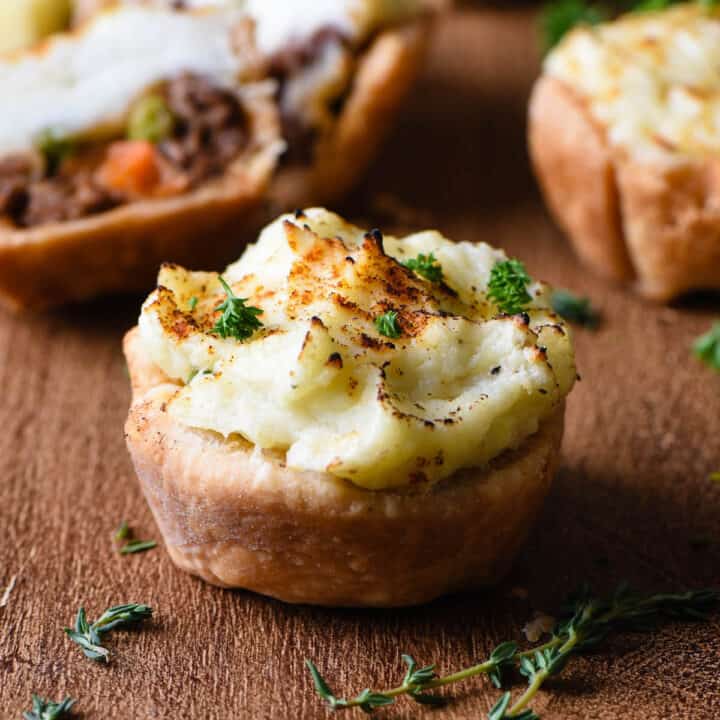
(631,501)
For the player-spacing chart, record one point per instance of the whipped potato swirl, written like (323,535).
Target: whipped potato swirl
(319,383)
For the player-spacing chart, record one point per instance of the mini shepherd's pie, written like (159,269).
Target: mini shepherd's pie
(625,138)
(152,134)
(372,437)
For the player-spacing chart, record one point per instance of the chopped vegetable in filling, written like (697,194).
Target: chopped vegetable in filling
(177,138)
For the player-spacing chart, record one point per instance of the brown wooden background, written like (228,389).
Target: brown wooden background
(631,500)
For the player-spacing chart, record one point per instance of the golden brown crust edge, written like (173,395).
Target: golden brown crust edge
(653,223)
(240,518)
(121,249)
(577,177)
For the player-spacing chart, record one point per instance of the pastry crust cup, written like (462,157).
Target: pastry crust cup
(652,223)
(121,250)
(238,517)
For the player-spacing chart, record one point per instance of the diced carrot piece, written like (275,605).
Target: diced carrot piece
(131,167)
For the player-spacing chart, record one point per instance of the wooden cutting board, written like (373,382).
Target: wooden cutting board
(632,500)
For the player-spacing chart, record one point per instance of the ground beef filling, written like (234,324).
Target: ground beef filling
(210,131)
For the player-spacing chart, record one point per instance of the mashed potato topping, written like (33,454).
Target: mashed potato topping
(652,78)
(318,381)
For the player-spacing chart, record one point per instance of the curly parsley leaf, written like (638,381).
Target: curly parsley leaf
(387,324)
(426,266)
(575,309)
(54,146)
(507,287)
(707,347)
(561,16)
(238,320)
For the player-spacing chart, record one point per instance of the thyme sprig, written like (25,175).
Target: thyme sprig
(88,635)
(426,266)
(585,622)
(238,320)
(507,286)
(43,709)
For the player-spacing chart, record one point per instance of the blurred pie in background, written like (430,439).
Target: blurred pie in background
(155,134)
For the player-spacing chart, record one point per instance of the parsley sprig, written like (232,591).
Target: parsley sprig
(586,622)
(238,320)
(43,709)
(55,147)
(426,266)
(507,286)
(88,635)
(707,347)
(561,16)
(387,324)
(575,309)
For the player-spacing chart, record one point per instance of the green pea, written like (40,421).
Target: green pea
(150,119)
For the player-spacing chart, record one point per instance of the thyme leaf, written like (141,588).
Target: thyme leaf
(238,320)
(123,532)
(136,546)
(133,545)
(88,635)
(43,709)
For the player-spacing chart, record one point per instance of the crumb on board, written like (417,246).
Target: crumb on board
(5,598)
(540,625)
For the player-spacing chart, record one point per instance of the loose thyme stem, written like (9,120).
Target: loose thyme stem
(587,623)
(405,688)
(479,669)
